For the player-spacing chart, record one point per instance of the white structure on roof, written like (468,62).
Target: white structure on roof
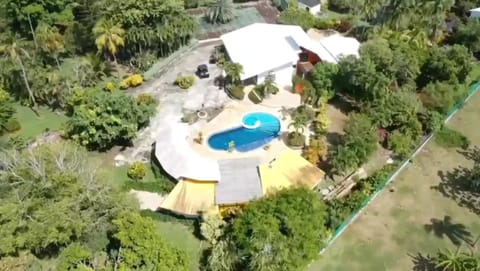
(339,46)
(475,13)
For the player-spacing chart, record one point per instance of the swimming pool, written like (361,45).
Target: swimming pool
(258,128)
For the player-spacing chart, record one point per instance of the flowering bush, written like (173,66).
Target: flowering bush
(137,171)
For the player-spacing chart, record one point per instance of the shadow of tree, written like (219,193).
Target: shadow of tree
(462,184)
(456,232)
(334,138)
(422,262)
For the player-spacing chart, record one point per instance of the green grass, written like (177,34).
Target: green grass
(182,237)
(33,125)
(392,230)
(450,138)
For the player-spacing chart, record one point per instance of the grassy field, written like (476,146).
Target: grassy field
(33,125)
(415,218)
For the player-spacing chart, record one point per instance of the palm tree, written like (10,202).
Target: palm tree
(14,52)
(50,41)
(233,71)
(221,11)
(109,36)
(269,85)
(298,123)
(451,260)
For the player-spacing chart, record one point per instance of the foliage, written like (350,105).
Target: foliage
(212,227)
(469,35)
(233,71)
(321,122)
(139,246)
(442,96)
(431,121)
(185,82)
(75,257)
(295,139)
(221,11)
(144,60)
(50,197)
(237,92)
(322,78)
(254,97)
(131,81)
(316,151)
(6,110)
(137,171)
(346,6)
(109,37)
(400,144)
(340,209)
(100,120)
(446,64)
(283,231)
(450,138)
(294,15)
(12,125)
(158,216)
(358,143)
(457,260)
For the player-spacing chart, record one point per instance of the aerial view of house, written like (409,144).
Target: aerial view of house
(239,135)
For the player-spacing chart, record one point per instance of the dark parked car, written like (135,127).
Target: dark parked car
(202,71)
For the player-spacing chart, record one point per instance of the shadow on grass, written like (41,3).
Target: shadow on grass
(462,184)
(457,233)
(422,262)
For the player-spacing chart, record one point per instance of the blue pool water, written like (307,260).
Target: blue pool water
(258,129)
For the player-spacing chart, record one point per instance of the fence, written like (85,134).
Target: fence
(351,218)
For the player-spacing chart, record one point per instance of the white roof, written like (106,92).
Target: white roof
(262,47)
(475,13)
(176,157)
(340,46)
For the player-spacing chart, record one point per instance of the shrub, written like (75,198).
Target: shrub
(450,138)
(254,97)
(441,96)
(12,125)
(110,86)
(137,171)
(400,144)
(132,81)
(237,92)
(146,99)
(295,139)
(431,121)
(185,82)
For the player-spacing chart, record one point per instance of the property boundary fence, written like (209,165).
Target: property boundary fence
(338,232)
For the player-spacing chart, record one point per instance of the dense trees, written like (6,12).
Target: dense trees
(50,197)
(6,110)
(284,231)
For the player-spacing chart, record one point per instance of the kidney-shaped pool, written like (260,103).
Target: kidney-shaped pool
(258,128)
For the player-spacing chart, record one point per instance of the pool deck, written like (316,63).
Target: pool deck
(181,156)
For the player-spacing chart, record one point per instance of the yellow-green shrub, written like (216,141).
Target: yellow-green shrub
(132,81)
(185,82)
(137,171)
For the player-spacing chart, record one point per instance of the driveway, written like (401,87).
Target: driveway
(174,100)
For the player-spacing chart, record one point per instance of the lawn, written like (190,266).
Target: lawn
(33,125)
(398,225)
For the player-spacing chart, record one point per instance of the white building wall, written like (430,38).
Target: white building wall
(283,75)
(314,10)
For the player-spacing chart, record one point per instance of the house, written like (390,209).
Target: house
(475,13)
(241,180)
(312,6)
(282,50)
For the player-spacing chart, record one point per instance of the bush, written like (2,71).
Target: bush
(431,121)
(12,125)
(400,144)
(254,97)
(146,99)
(450,138)
(185,82)
(137,171)
(295,139)
(237,92)
(442,97)
(132,81)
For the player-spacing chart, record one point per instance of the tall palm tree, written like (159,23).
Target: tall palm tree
(109,36)
(221,11)
(233,71)
(50,41)
(451,260)
(14,52)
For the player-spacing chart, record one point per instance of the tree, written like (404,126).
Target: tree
(140,247)
(400,144)
(14,52)
(322,78)
(109,36)
(442,96)
(283,231)
(358,143)
(50,41)
(322,121)
(457,260)
(221,11)
(469,35)
(99,120)
(6,110)
(51,196)
(269,85)
(316,151)
(233,71)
